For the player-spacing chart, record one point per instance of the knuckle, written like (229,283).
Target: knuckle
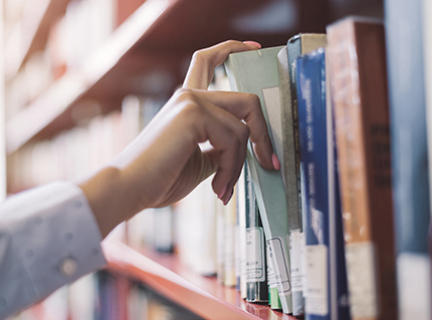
(245,133)
(232,42)
(253,100)
(186,95)
(199,56)
(193,111)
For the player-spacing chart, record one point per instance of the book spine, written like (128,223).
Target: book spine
(312,118)
(358,82)
(408,65)
(291,178)
(256,273)
(242,207)
(220,242)
(294,52)
(296,47)
(339,303)
(229,241)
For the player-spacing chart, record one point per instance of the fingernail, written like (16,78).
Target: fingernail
(253,43)
(229,198)
(222,193)
(275,161)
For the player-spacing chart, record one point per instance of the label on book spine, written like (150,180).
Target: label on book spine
(296,256)
(237,250)
(270,274)
(362,284)
(255,263)
(317,286)
(413,272)
(279,260)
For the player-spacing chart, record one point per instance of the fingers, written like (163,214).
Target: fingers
(204,61)
(227,135)
(245,106)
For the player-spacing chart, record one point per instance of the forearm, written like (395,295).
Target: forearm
(110,196)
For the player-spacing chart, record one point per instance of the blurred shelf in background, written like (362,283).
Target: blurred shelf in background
(149,53)
(30,33)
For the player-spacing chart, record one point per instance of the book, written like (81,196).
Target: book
(273,294)
(229,278)
(312,123)
(256,272)
(296,47)
(242,195)
(357,66)
(198,211)
(286,152)
(406,61)
(256,72)
(325,273)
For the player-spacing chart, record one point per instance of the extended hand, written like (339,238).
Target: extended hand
(164,163)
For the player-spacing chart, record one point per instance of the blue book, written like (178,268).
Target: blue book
(326,282)
(405,61)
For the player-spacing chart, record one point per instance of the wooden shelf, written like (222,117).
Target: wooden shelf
(202,295)
(158,38)
(38,17)
(52,111)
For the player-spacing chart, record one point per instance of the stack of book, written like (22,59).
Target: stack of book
(71,40)
(341,230)
(346,219)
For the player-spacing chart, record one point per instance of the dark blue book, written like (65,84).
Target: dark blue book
(405,61)
(326,282)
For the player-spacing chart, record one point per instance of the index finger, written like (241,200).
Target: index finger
(201,69)
(247,107)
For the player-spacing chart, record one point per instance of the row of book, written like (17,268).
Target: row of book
(85,26)
(85,148)
(346,219)
(106,296)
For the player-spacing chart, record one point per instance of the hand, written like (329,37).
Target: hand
(164,163)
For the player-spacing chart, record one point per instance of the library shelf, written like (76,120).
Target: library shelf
(52,111)
(38,17)
(166,275)
(158,39)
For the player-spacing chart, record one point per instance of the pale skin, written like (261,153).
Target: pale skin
(165,163)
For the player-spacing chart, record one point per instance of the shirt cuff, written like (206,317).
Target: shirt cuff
(56,234)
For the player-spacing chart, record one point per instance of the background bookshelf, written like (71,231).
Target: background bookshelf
(145,53)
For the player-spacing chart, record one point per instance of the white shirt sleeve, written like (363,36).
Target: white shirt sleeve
(48,237)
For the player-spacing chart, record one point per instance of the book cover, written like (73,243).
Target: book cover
(357,66)
(407,37)
(256,72)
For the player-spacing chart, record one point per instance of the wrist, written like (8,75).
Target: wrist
(109,197)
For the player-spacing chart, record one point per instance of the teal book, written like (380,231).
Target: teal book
(257,72)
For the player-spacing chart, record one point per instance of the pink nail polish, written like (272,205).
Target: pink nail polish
(275,161)
(222,193)
(229,198)
(253,43)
